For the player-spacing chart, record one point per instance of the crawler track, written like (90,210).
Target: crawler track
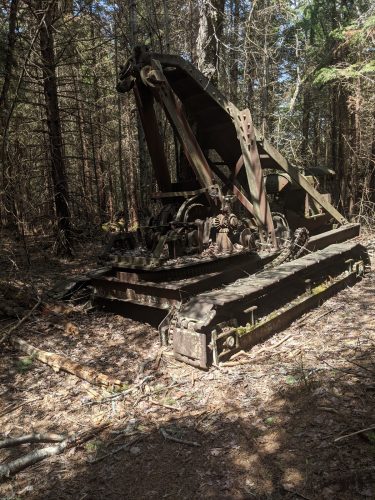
(201,307)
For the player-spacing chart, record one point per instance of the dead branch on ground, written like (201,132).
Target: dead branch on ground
(361,431)
(48,437)
(125,446)
(7,334)
(36,456)
(169,437)
(58,362)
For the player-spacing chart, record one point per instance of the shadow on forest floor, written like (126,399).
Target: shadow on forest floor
(266,429)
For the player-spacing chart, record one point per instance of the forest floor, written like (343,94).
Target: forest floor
(267,429)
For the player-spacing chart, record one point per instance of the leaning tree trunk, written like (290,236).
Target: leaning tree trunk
(59,178)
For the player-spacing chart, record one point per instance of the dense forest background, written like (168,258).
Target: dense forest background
(71,148)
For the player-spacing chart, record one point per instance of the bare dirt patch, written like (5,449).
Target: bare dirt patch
(265,429)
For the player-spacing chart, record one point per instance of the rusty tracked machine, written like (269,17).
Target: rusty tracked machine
(243,242)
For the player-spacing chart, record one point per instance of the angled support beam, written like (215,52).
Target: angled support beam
(153,75)
(274,154)
(246,135)
(300,179)
(145,105)
(237,191)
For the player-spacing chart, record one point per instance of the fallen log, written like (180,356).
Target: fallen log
(58,362)
(36,456)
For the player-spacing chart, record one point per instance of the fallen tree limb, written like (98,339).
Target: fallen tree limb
(252,357)
(239,354)
(58,362)
(48,437)
(355,433)
(236,363)
(169,437)
(36,456)
(122,394)
(261,351)
(7,334)
(269,348)
(169,407)
(31,458)
(117,450)
(14,406)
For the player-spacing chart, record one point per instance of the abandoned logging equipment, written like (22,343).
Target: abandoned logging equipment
(243,242)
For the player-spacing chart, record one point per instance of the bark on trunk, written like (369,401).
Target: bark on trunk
(59,178)
(305,127)
(209,34)
(7,215)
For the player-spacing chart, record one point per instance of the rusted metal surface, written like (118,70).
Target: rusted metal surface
(174,285)
(278,320)
(153,137)
(246,135)
(204,120)
(225,310)
(209,261)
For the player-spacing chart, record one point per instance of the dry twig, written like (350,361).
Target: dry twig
(169,407)
(169,437)
(116,450)
(361,431)
(253,357)
(7,334)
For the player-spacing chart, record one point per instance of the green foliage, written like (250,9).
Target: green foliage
(370,436)
(325,75)
(93,446)
(369,23)
(269,421)
(169,401)
(338,34)
(290,380)
(118,389)
(368,68)
(242,330)
(333,73)
(24,364)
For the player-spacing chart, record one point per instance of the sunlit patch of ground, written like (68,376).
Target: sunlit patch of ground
(265,429)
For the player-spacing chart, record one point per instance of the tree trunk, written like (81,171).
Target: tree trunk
(341,146)
(7,216)
(97,138)
(334,141)
(209,33)
(59,178)
(123,202)
(84,171)
(233,55)
(306,127)
(131,171)
(371,165)
(355,147)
